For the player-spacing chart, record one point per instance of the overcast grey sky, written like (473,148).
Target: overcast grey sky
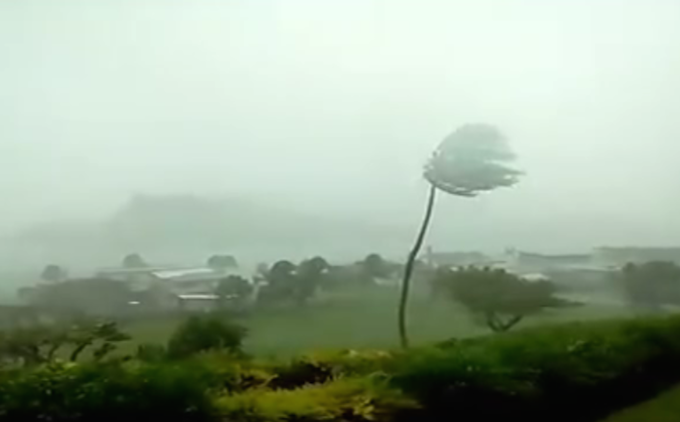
(334,105)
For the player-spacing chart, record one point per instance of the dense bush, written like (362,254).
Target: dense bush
(561,373)
(201,333)
(111,391)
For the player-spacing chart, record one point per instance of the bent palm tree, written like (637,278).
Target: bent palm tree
(466,163)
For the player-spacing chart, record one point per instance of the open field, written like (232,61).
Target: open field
(359,319)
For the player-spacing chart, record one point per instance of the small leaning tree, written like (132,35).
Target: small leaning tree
(497,297)
(472,160)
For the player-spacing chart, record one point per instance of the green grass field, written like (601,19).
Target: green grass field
(358,319)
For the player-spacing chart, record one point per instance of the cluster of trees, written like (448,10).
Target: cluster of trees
(497,297)
(88,296)
(87,339)
(651,285)
(287,281)
(297,283)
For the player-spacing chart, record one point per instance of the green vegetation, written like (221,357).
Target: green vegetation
(575,371)
(42,344)
(360,318)
(499,298)
(327,352)
(470,161)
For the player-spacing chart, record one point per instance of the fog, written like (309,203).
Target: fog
(330,108)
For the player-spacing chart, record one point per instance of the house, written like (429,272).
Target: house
(527,261)
(172,288)
(457,259)
(178,280)
(197,302)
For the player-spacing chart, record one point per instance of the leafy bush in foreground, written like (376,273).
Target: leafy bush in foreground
(110,391)
(561,373)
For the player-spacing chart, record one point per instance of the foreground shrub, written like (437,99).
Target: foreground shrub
(111,391)
(561,373)
(349,399)
(204,333)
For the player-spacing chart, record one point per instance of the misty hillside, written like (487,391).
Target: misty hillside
(182,228)
(225,223)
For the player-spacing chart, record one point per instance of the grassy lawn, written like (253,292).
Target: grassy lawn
(664,408)
(358,319)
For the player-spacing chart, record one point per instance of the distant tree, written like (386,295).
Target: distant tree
(203,333)
(280,282)
(39,344)
(233,289)
(222,262)
(652,284)
(471,160)
(102,337)
(94,296)
(339,276)
(375,266)
(282,273)
(262,270)
(134,260)
(308,278)
(29,346)
(501,299)
(53,273)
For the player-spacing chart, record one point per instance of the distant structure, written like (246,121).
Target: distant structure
(541,262)
(173,288)
(178,280)
(619,256)
(457,259)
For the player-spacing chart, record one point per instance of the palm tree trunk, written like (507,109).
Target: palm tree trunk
(408,270)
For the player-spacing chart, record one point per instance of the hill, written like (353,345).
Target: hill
(186,227)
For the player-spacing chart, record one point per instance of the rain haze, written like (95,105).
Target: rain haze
(327,111)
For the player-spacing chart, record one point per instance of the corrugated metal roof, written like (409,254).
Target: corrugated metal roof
(186,272)
(198,296)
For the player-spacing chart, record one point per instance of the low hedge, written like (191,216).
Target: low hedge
(572,372)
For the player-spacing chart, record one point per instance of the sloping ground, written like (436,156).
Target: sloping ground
(664,408)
